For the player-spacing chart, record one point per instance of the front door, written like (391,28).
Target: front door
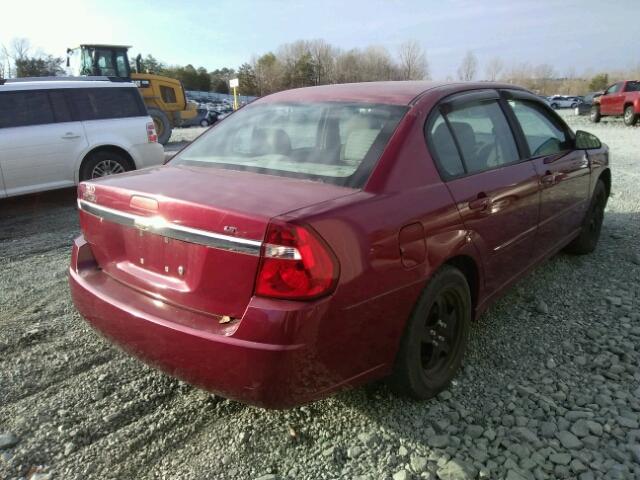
(497,193)
(612,100)
(564,173)
(39,145)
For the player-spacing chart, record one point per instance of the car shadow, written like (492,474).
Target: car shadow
(37,202)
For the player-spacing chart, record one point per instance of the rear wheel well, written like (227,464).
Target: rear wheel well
(468,267)
(606,179)
(112,149)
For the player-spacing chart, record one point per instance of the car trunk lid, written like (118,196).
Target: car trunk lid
(189,236)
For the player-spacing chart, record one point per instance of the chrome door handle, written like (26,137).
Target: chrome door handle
(69,135)
(482,202)
(548,179)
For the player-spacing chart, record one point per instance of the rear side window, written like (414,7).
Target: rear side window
(104,103)
(168,94)
(19,109)
(543,134)
(632,87)
(444,148)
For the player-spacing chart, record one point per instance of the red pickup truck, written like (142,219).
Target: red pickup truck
(620,99)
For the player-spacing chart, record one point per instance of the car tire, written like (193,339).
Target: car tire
(554,106)
(204,123)
(103,163)
(439,323)
(587,241)
(595,116)
(162,124)
(630,116)
(574,105)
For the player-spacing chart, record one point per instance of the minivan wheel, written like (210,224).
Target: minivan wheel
(102,164)
(592,225)
(630,116)
(595,116)
(204,123)
(435,337)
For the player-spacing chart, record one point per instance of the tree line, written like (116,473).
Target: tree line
(316,62)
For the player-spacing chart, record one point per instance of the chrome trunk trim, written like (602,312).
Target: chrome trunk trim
(159,226)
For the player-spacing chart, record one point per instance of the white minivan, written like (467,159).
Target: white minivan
(55,133)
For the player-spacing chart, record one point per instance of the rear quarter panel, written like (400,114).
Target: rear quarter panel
(128,134)
(376,293)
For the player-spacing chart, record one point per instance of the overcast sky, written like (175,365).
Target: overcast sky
(586,35)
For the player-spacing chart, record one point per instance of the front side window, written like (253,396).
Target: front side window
(333,142)
(612,89)
(122,69)
(543,134)
(103,60)
(483,136)
(19,109)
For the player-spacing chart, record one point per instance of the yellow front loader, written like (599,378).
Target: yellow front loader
(164,96)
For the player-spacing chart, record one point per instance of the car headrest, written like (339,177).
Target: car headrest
(466,139)
(267,141)
(358,144)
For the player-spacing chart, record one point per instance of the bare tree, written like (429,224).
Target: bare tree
(323,56)
(20,48)
(377,64)
(17,51)
(543,74)
(5,66)
(494,69)
(468,67)
(413,61)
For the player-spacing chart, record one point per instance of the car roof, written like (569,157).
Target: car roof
(393,92)
(50,84)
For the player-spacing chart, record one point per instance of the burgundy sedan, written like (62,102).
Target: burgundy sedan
(324,237)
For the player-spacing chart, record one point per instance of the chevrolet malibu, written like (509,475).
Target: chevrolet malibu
(324,237)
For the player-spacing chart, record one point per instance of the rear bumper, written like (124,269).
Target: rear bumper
(258,359)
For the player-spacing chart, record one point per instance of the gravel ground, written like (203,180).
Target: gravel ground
(550,387)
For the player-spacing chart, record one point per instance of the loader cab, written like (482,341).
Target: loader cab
(99,60)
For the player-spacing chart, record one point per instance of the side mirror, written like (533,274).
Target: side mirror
(587,141)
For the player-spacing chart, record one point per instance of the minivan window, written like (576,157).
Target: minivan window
(483,136)
(60,106)
(333,142)
(444,148)
(543,134)
(19,109)
(103,103)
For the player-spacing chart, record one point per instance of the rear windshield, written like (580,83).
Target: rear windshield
(332,142)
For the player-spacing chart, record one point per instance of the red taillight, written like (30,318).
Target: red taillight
(152,136)
(295,264)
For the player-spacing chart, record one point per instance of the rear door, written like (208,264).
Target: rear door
(39,142)
(564,173)
(497,193)
(111,115)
